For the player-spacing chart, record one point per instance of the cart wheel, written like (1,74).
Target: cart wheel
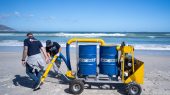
(134,89)
(100,87)
(76,86)
(89,86)
(110,86)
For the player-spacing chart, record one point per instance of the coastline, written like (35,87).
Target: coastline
(17,49)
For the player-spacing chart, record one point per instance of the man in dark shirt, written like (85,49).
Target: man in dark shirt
(53,48)
(35,63)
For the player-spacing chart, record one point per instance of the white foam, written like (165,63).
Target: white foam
(137,46)
(68,34)
(167,34)
(151,47)
(11,43)
(88,34)
(152,36)
(12,34)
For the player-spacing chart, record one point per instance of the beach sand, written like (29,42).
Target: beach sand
(14,81)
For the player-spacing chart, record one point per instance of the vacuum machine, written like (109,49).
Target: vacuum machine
(102,64)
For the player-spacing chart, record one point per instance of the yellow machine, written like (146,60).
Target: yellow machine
(131,70)
(137,69)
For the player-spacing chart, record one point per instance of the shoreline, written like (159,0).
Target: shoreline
(18,49)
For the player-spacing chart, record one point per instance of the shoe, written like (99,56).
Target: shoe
(36,89)
(37,86)
(58,75)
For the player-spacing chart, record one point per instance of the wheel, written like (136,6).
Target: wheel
(134,89)
(89,86)
(110,86)
(100,87)
(76,86)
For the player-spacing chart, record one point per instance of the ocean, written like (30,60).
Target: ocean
(140,40)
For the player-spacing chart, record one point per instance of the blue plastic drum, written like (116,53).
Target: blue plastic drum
(87,59)
(108,60)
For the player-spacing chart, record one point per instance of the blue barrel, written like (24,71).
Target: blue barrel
(108,60)
(87,60)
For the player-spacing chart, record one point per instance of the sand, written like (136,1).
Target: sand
(14,81)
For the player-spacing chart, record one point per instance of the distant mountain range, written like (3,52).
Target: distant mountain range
(4,28)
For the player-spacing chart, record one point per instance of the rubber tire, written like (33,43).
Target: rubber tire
(89,86)
(130,85)
(76,82)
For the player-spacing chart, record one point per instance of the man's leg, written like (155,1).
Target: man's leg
(39,74)
(30,73)
(55,67)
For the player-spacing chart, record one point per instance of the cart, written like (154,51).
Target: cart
(129,70)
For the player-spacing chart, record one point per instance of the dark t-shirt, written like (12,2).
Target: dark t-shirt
(54,49)
(33,46)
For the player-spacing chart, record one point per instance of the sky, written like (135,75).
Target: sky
(86,15)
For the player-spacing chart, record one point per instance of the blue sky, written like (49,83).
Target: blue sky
(86,15)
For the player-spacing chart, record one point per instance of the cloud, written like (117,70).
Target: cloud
(51,18)
(31,15)
(16,13)
(4,16)
(7,15)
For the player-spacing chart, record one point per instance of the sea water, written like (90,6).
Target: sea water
(140,40)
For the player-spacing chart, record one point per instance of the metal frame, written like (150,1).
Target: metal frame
(137,75)
(126,50)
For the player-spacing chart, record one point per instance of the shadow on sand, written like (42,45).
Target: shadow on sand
(62,79)
(22,81)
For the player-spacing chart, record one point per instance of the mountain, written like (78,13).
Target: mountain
(6,28)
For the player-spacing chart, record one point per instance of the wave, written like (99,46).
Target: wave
(137,46)
(83,34)
(11,43)
(89,34)
(68,34)
(151,36)
(151,47)
(167,34)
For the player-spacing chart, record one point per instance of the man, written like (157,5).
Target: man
(53,48)
(35,63)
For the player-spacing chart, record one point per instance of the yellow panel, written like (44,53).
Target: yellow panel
(137,76)
(69,74)
(118,47)
(128,49)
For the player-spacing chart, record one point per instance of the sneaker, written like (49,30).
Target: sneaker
(37,86)
(58,75)
(36,89)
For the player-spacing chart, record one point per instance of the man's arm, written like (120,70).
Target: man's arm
(24,55)
(59,49)
(25,50)
(45,54)
(58,46)
(48,54)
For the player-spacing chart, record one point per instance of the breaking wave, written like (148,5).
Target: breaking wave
(137,46)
